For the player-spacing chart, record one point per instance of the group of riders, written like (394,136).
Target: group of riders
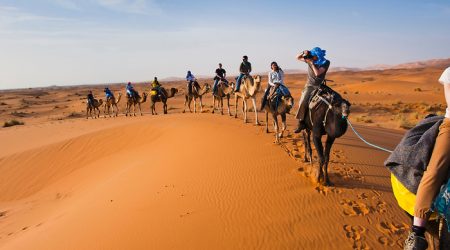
(317,69)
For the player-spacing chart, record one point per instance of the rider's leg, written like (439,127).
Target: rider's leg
(190,87)
(215,85)
(303,106)
(264,99)
(238,81)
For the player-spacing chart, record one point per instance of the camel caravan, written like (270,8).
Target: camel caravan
(326,109)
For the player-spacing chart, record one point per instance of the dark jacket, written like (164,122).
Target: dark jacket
(411,156)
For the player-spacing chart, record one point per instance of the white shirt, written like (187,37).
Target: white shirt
(445,80)
(276,77)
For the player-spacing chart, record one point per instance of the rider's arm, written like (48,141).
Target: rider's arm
(249,67)
(271,83)
(300,56)
(317,71)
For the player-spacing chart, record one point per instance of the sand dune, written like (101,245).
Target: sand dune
(186,182)
(202,181)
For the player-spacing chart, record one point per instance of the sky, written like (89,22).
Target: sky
(68,42)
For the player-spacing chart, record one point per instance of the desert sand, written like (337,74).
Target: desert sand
(202,181)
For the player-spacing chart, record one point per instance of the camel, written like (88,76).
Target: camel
(110,103)
(133,102)
(278,105)
(249,88)
(154,98)
(223,91)
(328,117)
(196,93)
(95,106)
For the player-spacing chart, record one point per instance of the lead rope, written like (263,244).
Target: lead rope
(366,142)
(351,126)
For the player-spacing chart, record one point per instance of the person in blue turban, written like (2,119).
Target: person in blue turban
(317,69)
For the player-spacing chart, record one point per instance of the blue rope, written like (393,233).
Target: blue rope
(368,143)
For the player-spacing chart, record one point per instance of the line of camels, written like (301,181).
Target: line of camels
(329,119)
(250,87)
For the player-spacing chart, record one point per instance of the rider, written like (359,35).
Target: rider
(157,86)
(434,176)
(108,93)
(317,70)
(245,68)
(190,78)
(220,76)
(276,81)
(90,98)
(130,91)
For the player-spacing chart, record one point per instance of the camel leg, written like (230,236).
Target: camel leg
(228,105)
(244,109)
(235,105)
(87,113)
(308,149)
(185,102)
(214,104)
(283,121)
(319,148)
(140,111)
(329,143)
(267,121)
(165,107)
(275,126)
(195,105)
(256,111)
(104,110)
(201,104)
(221,105)
(117,109)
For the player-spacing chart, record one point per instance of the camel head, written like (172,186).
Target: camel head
(289,101)
(257,78)
(206,88)
(340,106)
(345,108)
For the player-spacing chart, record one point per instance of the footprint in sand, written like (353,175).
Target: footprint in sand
(386,241)
(354,208)
(392,234)
(381,207)
(391,229)
(3,213)
(356,235)
(325,190)
(362,196)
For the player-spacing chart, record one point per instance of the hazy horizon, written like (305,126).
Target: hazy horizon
(65,42)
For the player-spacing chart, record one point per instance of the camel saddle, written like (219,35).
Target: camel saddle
(323,92)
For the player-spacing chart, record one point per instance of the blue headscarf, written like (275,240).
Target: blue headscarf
(320,53)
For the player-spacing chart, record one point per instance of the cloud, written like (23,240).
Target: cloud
(11,15)
(145,7)
(67,4)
